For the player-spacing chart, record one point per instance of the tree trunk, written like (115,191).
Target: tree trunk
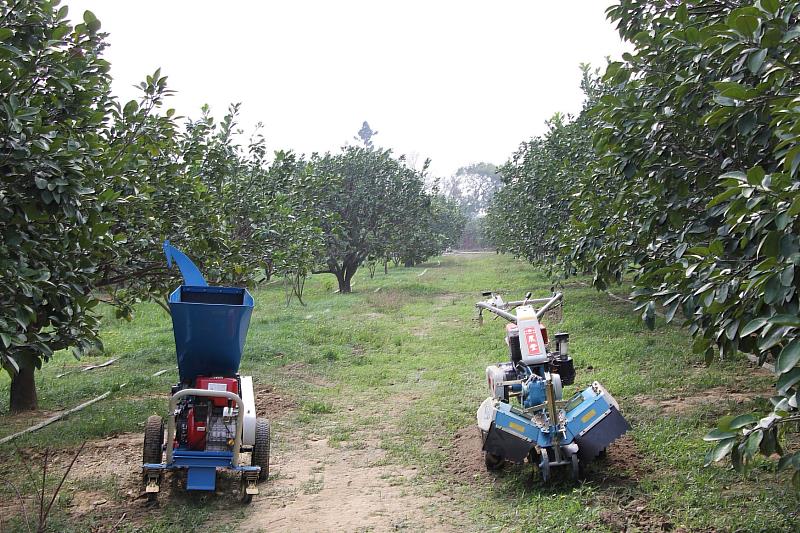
(344,282)
(23,389)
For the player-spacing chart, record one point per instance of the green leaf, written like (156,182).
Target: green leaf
(787,380)
(788,357)
(787,460)
(5,33)
(733,89)
(725,195)
(746,24)
(91,21)
(770,6)
(785,320)
(718,434)
(756,59)
(769,444)
(792,160)
(770,245)
(681,14)
(753,326)
(774,337)
(755,176)
(60,32)
(794,210)
(719,451)
(11,360)
(752,443)
(743,420)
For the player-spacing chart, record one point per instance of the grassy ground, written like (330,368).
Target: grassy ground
(404,348)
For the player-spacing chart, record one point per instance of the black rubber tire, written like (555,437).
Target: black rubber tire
(493,462)
(575,469)
(244,498)
(153,440)
(260,453)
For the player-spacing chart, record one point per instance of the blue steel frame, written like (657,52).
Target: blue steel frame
(202,467)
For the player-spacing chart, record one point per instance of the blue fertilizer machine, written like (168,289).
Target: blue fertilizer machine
(525,416)
(211,423)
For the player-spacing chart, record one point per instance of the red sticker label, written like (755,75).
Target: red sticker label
(532,340)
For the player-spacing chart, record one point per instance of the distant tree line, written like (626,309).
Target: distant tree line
(472,188)
(91,187)
(682,173)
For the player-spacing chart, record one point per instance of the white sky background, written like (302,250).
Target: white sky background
(456,81)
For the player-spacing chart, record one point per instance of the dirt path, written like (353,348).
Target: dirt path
(314,484)
(323,488)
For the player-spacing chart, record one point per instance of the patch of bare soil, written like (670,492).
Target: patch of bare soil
(421,331)
(114,463)
(342,489)
(467,455)
(623,507)
(387,300)
(304,370)
(272,405)
(634,515)
(13,422)
(359,349)
(685,403)
(622,464)
(297,366)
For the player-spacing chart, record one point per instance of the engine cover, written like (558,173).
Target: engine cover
(218,384)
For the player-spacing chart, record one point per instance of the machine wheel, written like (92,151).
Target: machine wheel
(244,498)
(240,490)
(260,454)
(544,464)
(153,440)
(576,467)
(493,462)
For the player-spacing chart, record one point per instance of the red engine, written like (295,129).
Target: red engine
(220,384)
(202,423)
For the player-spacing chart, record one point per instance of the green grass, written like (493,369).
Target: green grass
(402,359)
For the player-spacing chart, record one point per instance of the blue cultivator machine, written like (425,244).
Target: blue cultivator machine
(212,412)
(525,416)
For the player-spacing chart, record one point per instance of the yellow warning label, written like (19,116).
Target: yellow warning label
(588,416)
(514,425)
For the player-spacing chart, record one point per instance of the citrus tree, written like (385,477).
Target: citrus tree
(375,209)
(91,188)
(531,215)
(700,136)
(54,94)
(690,189)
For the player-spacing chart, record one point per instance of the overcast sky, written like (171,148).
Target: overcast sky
(457,81)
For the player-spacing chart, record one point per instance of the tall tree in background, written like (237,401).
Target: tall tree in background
(530,216)
(374,199)
(365,135)
(472,187)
